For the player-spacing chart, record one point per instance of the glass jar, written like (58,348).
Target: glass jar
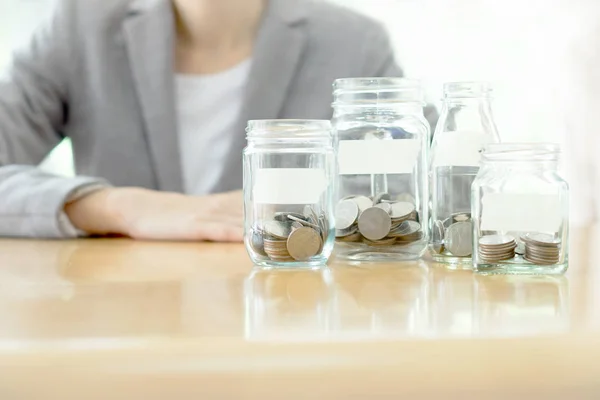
(382,141)
(520,208)
(466,124)
(289,176)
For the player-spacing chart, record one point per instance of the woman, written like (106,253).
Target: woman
(155,95)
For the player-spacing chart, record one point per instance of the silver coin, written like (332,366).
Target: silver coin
(459,239)
(283,216)
(539,261)
(437,237)
(496,240)
(541,239)
(381,197)
(257,242)
(304,223)
(374,224)
(311,215)
(324,224)
(402,210)
(408,228)
(341,233)
(304,243)
(346,214)
(363,203)
(387,207)
(354,237)
(279,230)
(296,225)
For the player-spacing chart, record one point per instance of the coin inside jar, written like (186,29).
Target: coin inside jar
(374,224)
(290,237)
(459,239)
(304,243)
(346,214)
(402,210)
(279,230)
(363,203)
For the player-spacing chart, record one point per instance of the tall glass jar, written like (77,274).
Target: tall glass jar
(466,124)
(520,208)
(289,171)
(382,140)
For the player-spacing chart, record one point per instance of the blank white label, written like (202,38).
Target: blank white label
(289,185)
(368,157)
(521,212)
(458,149)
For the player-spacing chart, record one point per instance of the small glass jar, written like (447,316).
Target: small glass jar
(520,208)
(382,141)
(289,171)
(466,124)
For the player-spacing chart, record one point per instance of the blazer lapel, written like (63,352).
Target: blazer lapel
(277,53)
(149,35)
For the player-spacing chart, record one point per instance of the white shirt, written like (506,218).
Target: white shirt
(208,110)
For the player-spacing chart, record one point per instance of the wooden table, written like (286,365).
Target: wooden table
(116,319)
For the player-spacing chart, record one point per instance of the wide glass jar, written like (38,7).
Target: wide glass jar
(289,171)
(520,208)
(382,140)
(466,124)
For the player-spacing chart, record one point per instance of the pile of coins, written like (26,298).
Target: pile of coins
(453,236)
(377,221)
(496,248)
(291,236)
(541,249)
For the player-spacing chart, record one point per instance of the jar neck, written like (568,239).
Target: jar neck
(292,132)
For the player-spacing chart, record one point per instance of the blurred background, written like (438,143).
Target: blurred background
(540,55)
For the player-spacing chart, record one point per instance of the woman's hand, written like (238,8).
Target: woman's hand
(150,215)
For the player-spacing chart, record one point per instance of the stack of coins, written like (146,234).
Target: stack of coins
(496,248)
(542,249)
(377,221)
(453,236)
(290,236)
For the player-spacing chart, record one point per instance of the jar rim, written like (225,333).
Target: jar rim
(527,152)
(467,89)
(377,91)
(297,128)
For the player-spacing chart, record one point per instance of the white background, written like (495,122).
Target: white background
(540,55)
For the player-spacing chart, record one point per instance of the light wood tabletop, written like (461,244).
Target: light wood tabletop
(96,319)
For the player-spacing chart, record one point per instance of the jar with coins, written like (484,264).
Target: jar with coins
(289,171)
(520,208)
(466,124)
(382,141)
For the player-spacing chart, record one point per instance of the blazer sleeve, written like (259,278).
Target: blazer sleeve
(382,62)
(34,96)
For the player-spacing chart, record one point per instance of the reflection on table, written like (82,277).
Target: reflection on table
(411,301)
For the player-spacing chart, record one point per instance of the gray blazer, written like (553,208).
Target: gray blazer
(101,73)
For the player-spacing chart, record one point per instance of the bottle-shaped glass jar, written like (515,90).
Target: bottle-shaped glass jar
(466,124)
(289,171)
(520,208)
(382,140)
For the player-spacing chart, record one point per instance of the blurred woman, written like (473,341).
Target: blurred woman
(155,96)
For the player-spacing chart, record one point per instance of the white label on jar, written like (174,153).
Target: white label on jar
(368,157)
(521,212)
(458,149)
(289,185)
